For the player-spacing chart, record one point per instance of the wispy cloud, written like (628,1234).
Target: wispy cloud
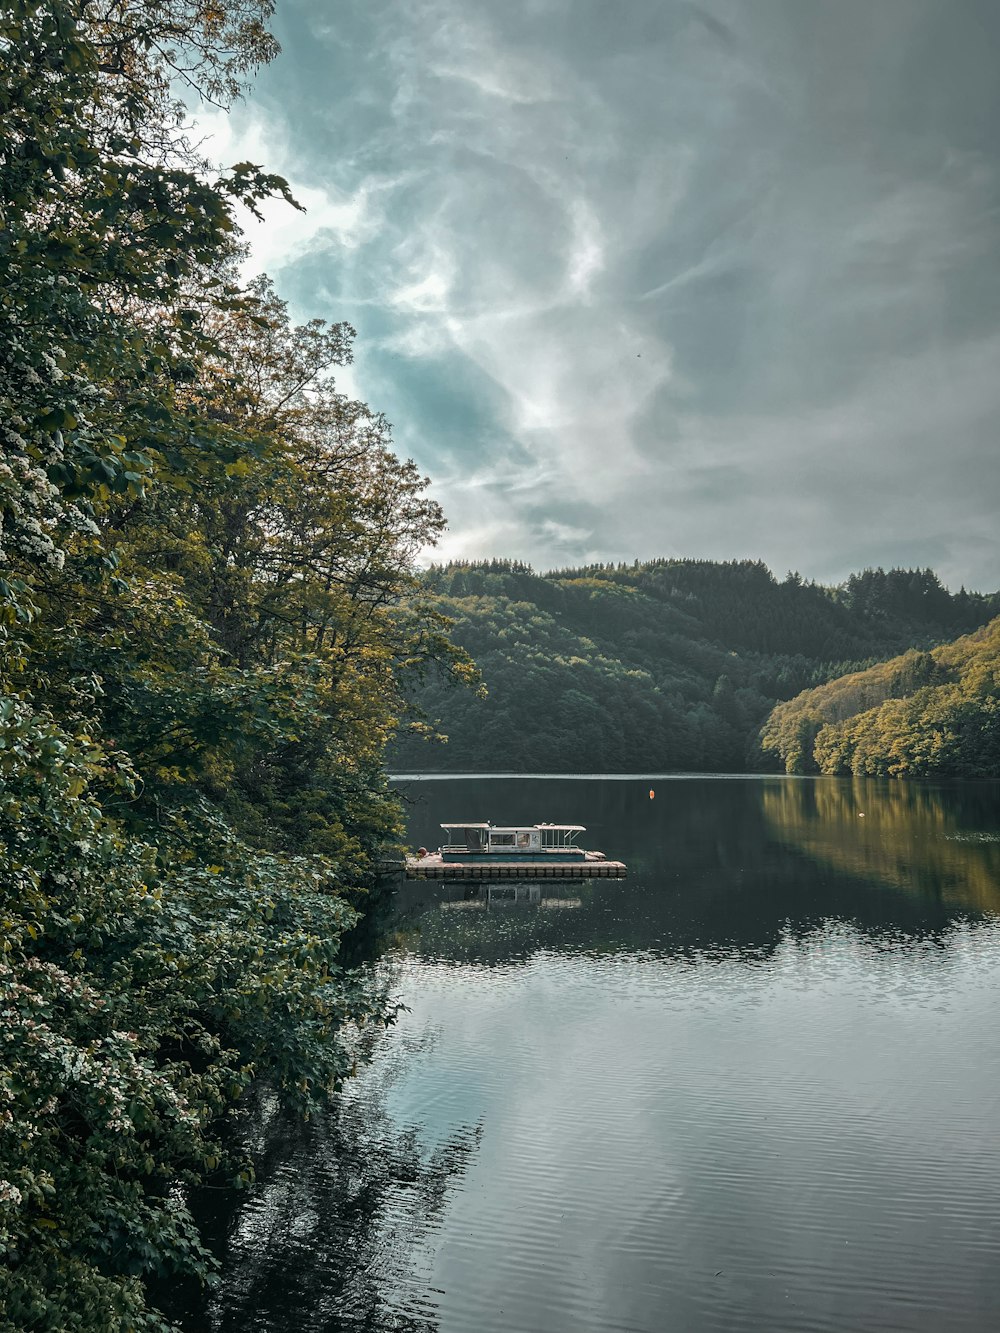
(710,278)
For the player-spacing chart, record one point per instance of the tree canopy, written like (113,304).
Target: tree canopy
(204,547)
(924,714)
(668,664)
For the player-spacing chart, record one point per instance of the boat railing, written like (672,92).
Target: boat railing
(464,849)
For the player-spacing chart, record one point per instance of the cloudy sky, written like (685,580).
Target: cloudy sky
(658,277)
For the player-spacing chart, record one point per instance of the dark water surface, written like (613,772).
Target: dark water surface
(756,1086)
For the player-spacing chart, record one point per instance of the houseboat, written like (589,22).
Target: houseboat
(477,850)
(490,842)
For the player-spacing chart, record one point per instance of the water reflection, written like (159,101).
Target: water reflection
(732,862)
(937,842)
(332,1236)
(753,1086)
(508,894)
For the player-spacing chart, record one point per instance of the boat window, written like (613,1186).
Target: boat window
(502,839)
(523,840)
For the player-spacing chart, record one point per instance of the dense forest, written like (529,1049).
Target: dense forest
(924,714)
(203,548)
(670,665)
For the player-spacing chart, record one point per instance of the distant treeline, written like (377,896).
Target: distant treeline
(672,664)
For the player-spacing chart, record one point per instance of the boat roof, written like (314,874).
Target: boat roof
(513,828)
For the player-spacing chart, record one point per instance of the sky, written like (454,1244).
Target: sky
(657,278)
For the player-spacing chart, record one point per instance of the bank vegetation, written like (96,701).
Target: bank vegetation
(204,546)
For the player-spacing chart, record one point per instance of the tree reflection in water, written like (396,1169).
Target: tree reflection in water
(936,842)
(856,884)
(329,1241)
(338,1232)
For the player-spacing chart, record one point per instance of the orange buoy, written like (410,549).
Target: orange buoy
(652,794)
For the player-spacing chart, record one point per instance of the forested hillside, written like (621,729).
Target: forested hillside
(203,546)
(672,664)
(925,714)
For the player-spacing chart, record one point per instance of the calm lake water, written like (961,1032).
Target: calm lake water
(756,1086)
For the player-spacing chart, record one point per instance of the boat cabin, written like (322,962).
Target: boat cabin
(541,840)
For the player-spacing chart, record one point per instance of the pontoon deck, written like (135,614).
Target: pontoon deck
(477,850)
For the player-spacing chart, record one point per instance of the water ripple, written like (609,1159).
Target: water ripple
(754,1087)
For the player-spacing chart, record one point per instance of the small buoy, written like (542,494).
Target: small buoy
(861,814)
(651,793)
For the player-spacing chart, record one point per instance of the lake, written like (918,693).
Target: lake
(755,1086)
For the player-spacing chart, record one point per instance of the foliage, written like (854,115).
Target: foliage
(670,664)
(925,714)
(138,1002)
(203,550)
(105,221)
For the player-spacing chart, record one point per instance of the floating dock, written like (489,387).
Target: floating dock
(434,866)
(477,852)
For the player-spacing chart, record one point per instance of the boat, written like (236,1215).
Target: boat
(468,842)
(481,850)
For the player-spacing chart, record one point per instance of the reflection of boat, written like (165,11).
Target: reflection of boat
(525,851)
(485,895)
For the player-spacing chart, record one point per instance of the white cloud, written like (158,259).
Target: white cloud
(426,281)
(586,254)
(464,47)
(285,235)
(699,287)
